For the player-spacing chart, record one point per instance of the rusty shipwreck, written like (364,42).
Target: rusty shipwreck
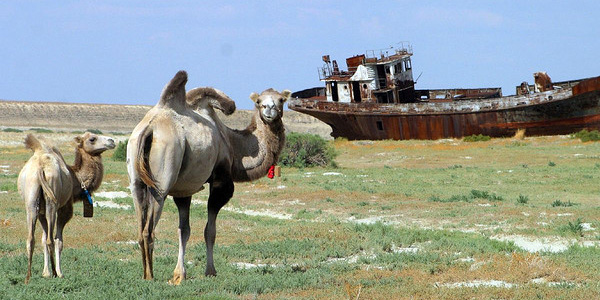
(376,99)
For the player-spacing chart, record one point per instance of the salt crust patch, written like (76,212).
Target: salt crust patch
(529,244)
(587,227)
(478,283)
(351,259)
(243,265)
(332,174)
(564,215)
(499,283)
(130,242)
(249,212)
(5,169)
(112,195)
(375,219)
(110,204)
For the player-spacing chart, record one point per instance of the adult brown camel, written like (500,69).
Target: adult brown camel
(181,144)
(49,187)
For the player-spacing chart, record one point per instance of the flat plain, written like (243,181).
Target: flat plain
(448,219)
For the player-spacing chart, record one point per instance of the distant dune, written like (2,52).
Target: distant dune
(121,118)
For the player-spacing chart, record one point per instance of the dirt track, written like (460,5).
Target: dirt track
(121,118)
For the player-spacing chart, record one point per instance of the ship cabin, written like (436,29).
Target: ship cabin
(379,76)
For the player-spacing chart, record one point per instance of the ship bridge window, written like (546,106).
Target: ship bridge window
(379,125)
(407,65)
(398,68)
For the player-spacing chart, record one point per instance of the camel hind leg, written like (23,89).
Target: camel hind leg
(32,213)
(48,221)
(221,190)
(183,206)
(65,214)
(148,206)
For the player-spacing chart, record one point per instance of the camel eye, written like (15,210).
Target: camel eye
(93,140)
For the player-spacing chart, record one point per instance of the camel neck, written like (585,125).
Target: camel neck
(256,148)
(88,169)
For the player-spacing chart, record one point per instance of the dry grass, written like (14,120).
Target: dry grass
(519,135)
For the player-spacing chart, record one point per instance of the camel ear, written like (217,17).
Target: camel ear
(254,97)
(286,95)
(78,140)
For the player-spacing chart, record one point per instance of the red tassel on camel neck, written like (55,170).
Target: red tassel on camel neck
(271,172)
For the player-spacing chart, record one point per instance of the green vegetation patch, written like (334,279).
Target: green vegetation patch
(94,131)
(41,130)
(11,130)
(477,138)
(120,153)
(587,136)
(475,194)
(304,150)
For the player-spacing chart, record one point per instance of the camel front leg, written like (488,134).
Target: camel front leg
(183,206)
(210,235)
(64,215)
(220,193)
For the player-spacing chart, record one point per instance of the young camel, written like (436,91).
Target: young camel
(49,187)
(181,144)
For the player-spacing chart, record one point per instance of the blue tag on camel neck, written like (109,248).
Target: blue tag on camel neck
(89,197)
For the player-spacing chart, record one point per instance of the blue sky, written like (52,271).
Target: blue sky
(124,52)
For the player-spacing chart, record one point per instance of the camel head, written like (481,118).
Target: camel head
(270,104)
(94,144)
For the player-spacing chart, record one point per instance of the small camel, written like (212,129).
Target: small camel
(181,144)
(49,187)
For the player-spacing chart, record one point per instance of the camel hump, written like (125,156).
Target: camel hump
(202,96)
(31,142)
(173,94)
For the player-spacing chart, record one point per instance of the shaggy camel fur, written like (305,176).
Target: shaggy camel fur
(181,144)
(49,187)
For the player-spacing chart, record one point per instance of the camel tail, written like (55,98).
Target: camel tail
(141,161)
(48,192)
(31,142)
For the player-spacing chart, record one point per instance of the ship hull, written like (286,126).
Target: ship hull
(552,113)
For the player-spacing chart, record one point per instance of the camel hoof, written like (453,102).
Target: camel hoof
(175,280)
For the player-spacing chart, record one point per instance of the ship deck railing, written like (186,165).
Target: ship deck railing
(462,106)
